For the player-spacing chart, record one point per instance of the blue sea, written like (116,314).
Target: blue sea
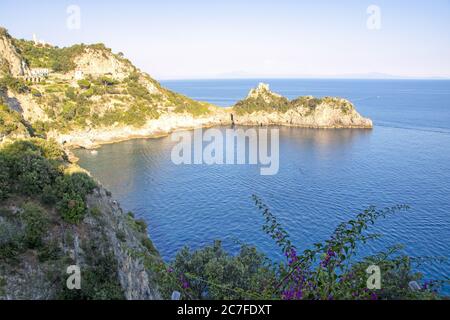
(325,176)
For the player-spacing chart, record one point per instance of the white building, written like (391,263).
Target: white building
(40,72)
(38,42)
(79,75)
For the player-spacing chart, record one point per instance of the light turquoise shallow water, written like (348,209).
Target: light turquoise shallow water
(325,176)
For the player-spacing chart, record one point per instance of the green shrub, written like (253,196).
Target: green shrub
(11,122)
(77,183)
(10,251)
(212,273)
(40,128)
(96,212)
(2,286)
(71,93)
(72,190)
(36,224)
(32,174)
(14,84)
(72,208)
(106,81)
(88,93)
(5,187)
(30,167)
(334,269)
(121,236)
(137,90)
(36,92)
(49,195)
(184,104)
(84,84)
(49,149)
(11,241)
(49,252)
(141,225)
(148,244)
(58,59)
(250,105)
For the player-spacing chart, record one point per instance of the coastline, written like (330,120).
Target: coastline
(167,124)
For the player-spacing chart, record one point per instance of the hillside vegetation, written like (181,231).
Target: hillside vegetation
(261,99)
(11,123)
(53,215)
(112,92)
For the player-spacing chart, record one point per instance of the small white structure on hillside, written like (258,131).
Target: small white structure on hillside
(38,42)
(39,72)
(79,75)
(36,74)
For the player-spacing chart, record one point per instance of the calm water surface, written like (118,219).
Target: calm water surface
(325,176)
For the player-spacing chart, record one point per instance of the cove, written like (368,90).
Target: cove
(325,176)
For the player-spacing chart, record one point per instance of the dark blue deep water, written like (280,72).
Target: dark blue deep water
(325,176)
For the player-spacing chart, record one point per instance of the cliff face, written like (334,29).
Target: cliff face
(11,125)
(10,60)
(53,216)
(263,107)
(165,124)
(126,242)
(94,62)
(107,237)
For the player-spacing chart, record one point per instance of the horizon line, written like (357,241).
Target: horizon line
(306,78)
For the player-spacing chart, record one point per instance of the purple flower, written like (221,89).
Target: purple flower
(298,294)
(184,283)
(331,253)
(427,284)
(288,294)
(292,294)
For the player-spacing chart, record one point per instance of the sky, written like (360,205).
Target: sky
(179,39)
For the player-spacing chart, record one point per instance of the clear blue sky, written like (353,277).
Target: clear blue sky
(234,38)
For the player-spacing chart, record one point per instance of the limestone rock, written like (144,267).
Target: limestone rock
(100,62)
(10,59)
(263,107)
(262,91)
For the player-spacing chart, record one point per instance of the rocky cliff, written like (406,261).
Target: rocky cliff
(63,218)
(10,60)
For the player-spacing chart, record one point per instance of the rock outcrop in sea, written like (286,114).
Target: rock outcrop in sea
(263,107)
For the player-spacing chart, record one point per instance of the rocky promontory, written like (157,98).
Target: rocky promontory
(263,107)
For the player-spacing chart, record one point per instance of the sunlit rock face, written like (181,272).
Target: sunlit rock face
(264,107)
(10,60)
